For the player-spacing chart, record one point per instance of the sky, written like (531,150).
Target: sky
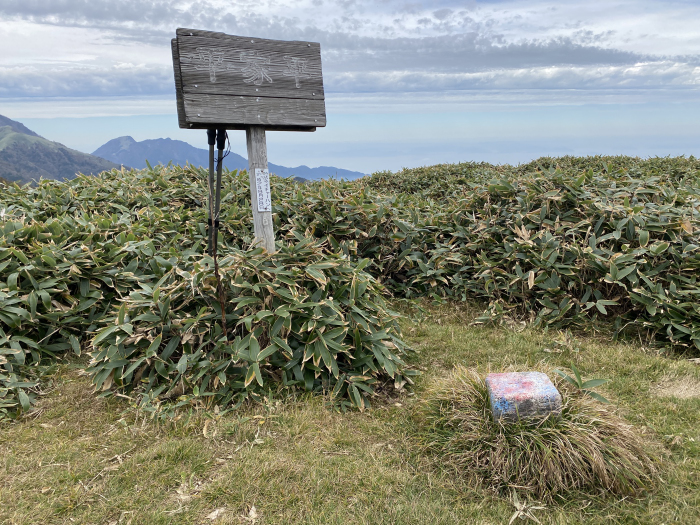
(407,83)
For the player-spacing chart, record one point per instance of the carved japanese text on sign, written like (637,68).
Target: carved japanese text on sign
(272,74)
(262,182)
(209,59)
(256,70)
(296,67)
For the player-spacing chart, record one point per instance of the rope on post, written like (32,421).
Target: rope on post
(221,137)
(211,139)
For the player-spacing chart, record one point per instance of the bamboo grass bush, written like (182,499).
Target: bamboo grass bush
(301,318)
(561,242)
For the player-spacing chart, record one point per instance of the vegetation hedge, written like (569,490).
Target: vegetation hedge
(561,242)
(564,246)
(301,317)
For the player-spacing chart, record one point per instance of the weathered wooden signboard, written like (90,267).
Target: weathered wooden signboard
(225,82)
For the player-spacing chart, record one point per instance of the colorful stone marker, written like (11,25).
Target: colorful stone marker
(522,395)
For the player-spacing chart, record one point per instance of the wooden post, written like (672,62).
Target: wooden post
(260,188)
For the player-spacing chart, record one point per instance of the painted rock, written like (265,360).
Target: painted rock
(522,395)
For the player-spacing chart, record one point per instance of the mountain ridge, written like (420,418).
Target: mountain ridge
(126,150)
(18,127)
(25,156)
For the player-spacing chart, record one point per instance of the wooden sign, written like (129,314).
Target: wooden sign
(225,82)
(234,82)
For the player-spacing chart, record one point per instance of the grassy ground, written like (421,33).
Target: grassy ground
(84,460)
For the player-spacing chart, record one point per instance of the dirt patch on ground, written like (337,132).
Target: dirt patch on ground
(680,387)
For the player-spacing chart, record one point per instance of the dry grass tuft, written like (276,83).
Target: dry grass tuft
(679,387)
(588,449)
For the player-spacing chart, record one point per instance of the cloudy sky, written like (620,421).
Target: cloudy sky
(407,83)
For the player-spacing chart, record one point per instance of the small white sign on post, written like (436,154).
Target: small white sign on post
(262,183)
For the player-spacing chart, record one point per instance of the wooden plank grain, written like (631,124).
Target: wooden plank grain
(226,111)
(216,63)
(181,116)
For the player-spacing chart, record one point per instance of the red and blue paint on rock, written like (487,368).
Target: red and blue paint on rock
(522,395)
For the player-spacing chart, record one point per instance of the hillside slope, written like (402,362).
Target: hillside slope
(126,150)
(16,126)
(24,158)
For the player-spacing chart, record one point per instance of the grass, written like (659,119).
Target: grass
(587,449)
(79,459)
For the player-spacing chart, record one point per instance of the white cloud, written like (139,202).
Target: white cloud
(61,48)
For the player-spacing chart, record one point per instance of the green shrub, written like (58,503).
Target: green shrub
(562,242)
(558,246)
(301,318)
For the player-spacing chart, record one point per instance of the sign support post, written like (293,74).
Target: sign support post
(260,197)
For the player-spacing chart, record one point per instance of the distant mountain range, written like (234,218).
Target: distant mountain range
(127,151)
(25,156)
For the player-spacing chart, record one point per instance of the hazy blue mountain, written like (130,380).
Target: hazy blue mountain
(25,156)
(127,151)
